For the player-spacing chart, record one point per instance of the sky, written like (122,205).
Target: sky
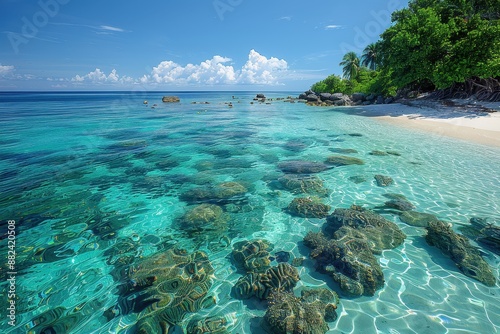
(182,45)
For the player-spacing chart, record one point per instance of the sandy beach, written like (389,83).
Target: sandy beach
(462,119)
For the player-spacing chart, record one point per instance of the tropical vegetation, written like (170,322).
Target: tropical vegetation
(452,45)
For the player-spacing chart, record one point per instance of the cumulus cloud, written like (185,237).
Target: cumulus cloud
(5,69)
(257,70)
(212,71)
(99,76)
(260,70)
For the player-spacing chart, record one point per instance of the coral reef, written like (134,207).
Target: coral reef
(252,256)
(204,217)
(220,193)
(211,325)
(308,314)
(283,277)
(303,184)
(342,160)
(383,181)
(302,167)
(487,235)
(458,248)
(350,262)
(357,222)
(164,288)
(418,219)
(308,207)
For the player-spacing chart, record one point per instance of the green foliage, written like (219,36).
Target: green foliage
(442,42)
(370,56)
(350,64)
(332,84)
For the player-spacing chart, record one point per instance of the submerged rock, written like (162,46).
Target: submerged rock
(211,325)
(418,219)
(307,314)
(342,160)
(349,261)
(364,224)
(358,179)
(458,248)
(399,204)
(487,235)
(383,181)
(220,193)
(343,150)
(283,277)
(204,218)
(308,207)
(164,288)
(252,256)
(302,167)
(304,184)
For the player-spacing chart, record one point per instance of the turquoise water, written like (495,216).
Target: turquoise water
(84,174)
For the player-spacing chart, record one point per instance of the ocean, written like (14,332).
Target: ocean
(99,187)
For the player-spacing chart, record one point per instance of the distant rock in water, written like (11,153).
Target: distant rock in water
(170,99)
(457,247)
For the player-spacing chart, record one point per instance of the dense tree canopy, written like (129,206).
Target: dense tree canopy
(442,42)
(431,44)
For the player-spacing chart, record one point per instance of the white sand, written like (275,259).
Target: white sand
(462,120)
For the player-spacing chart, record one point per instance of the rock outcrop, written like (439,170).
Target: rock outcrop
(170,99)
(339,99)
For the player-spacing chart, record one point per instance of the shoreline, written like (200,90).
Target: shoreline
(463,119)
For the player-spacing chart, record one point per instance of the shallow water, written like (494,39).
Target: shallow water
(83,173)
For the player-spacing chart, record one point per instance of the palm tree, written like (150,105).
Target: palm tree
(350,64)
(369,57)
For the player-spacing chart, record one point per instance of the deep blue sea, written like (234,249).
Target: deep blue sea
(93,183)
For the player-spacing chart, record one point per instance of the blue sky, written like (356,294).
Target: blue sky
(182,45)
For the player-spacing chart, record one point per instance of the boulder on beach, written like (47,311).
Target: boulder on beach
(358,97)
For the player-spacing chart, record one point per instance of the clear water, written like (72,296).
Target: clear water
(67,158)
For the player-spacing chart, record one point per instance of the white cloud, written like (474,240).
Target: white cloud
(99,76)
(261,70)
(286,18)
(110,28)
(212,71)
(257,70)
(5,69)
(333,26)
